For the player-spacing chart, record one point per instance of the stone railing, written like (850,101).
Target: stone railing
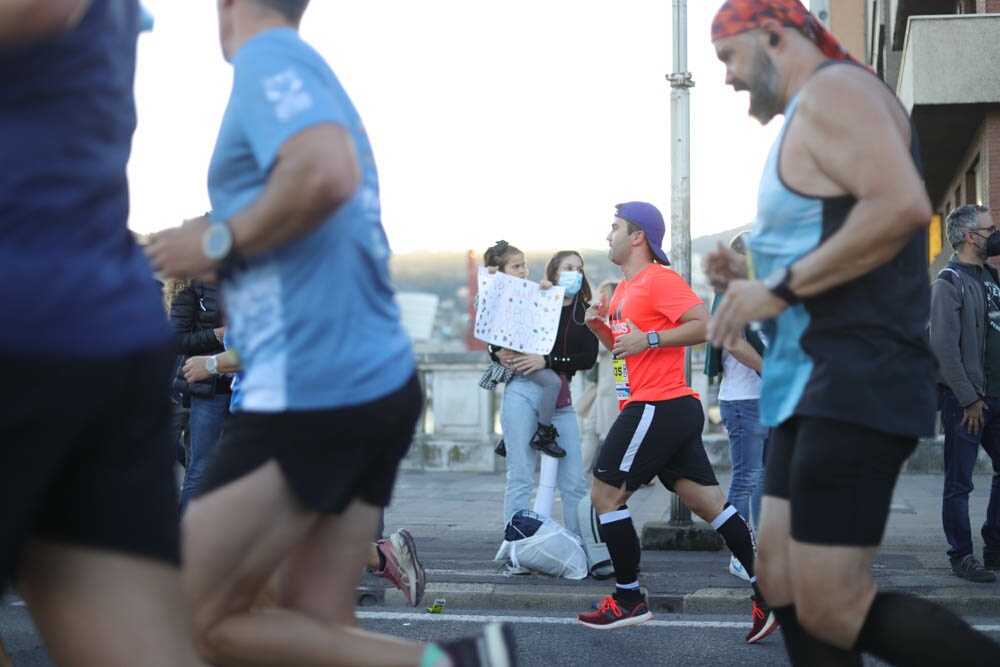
(460,423)
(457,428)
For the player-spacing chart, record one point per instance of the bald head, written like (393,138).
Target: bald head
(290,9)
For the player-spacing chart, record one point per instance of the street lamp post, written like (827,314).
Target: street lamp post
(680,186)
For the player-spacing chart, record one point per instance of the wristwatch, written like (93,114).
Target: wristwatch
(217,241)
(217,244)
(653,338)
(777,283)
(212,365)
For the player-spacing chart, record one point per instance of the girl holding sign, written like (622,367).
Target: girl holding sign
(507,259)
(575,349)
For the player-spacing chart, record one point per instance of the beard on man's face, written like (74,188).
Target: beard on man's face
(763,87)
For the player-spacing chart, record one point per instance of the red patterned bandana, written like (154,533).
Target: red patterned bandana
(736,16)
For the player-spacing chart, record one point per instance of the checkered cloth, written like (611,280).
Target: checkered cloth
(737,16)
(495,374)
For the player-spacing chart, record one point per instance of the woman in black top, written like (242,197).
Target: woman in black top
(575,349)
(197,318)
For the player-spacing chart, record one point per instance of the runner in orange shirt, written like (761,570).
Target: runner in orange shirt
(652,317)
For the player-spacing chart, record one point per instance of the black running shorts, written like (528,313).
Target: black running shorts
(837,477)
(329,457)
(658,439)
(85,456)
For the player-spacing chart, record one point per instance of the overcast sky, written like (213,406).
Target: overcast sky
(519,120)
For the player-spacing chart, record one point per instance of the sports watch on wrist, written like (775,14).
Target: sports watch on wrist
(778,282)
(653,338)
(212,365)
(217,242)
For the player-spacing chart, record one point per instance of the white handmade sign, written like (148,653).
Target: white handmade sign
(517,314)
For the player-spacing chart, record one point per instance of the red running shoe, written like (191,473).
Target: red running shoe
(764,621)
(612,613)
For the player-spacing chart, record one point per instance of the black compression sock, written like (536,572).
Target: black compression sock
(906,630)
(804,650)
(623,547)
(738,537)
(629,595)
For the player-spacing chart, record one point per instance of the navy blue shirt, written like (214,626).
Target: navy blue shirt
(74,282)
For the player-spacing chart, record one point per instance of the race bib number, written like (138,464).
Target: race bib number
(622,391)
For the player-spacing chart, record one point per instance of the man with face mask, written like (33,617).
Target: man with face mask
(965,336)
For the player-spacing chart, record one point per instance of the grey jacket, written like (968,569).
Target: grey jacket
(958,328)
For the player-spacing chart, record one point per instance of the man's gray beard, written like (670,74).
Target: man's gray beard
(764,90)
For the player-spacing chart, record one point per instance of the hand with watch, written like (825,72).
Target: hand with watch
(197,248)
(200,368)
(635,341)
(212,365)
(751,301)
(217,244)
(778,283)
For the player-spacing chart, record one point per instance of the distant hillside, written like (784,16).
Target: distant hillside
(443,273)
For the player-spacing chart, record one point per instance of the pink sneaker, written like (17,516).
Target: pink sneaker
(402,566)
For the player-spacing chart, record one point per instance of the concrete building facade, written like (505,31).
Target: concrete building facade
(939,57)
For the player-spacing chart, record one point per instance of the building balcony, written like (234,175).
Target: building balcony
(948,79)
(950,59)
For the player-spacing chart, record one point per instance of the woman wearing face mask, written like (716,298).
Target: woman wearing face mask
(575,349)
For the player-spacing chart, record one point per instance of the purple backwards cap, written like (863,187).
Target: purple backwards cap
(648,218)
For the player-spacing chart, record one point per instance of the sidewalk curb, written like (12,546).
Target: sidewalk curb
(706,601)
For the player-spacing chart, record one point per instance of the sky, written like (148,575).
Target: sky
(523,120)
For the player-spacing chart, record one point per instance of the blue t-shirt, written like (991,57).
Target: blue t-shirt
(75,284)
(315,321)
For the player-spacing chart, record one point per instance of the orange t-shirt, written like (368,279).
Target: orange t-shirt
(655,300)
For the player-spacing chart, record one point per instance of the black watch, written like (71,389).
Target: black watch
(777,283)
(653,338)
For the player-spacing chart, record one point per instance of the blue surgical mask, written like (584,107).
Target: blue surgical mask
(572,281)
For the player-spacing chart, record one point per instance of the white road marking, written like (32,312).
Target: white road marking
(535,620)
(561,620)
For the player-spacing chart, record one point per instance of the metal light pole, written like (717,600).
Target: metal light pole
(680,187)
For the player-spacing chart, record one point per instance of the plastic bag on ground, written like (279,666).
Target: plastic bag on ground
(541,544)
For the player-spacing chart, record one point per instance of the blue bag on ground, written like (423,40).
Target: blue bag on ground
(541,544)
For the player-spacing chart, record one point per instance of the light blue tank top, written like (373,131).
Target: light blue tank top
(787,226)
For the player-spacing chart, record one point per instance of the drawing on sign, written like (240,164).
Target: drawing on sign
(517,314)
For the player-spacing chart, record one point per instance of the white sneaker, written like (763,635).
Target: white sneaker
(736,568)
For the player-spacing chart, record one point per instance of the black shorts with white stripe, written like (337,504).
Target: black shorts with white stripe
(656,439)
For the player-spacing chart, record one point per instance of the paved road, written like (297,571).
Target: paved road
(544,640)
(548,640)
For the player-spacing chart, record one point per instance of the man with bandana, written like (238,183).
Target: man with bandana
(837,276)
(965,337)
